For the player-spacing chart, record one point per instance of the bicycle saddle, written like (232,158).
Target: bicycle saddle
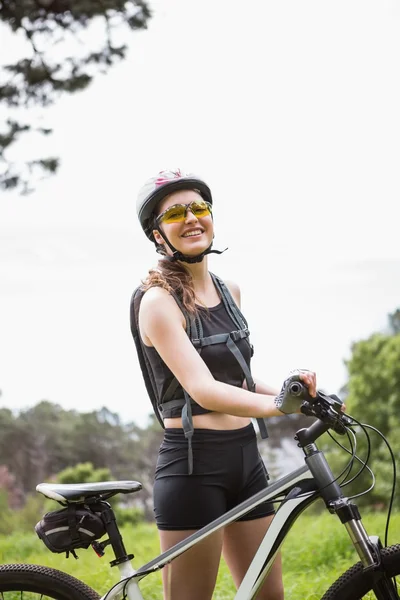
(79,492)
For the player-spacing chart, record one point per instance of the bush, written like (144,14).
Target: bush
(26,518)
(128,516)
(7,517)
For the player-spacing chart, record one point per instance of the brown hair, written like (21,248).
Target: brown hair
(173,277)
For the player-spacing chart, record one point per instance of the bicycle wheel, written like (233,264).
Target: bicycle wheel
(355,583)
(34,582)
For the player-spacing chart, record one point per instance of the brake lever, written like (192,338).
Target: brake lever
(336,405)
(327,409)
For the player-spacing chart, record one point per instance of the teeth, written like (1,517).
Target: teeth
(191,233)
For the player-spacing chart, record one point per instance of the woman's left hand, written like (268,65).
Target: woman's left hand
(310,379)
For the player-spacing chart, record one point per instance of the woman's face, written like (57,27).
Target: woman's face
(193,235)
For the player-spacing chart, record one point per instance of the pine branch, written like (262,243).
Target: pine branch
(38,80)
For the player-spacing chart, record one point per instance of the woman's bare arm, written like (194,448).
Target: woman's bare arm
(161,322)
(263,388)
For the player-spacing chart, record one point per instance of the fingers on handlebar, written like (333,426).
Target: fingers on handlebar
(310,380)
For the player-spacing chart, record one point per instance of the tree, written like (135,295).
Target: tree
(394,321)
(42,441)
(57,39)
(374,398)
(8,486)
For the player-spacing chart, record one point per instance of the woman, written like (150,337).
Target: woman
(208,461)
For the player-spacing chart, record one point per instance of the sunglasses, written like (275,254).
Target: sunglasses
(177,213)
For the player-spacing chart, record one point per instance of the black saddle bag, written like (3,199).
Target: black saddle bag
(67,529)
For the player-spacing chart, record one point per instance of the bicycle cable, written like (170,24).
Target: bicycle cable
(364,466)
(124,588)
(390,507)
(346,471)
(306,494)
(352,452)
(354,456)
(364,428)
(393,487)
(363,462)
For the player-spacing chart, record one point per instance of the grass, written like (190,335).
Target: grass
(316,551)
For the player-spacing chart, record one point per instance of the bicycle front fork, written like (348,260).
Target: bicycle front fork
(368,548)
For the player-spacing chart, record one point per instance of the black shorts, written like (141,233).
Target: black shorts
(227,469)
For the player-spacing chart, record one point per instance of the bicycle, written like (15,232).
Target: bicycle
(375,572)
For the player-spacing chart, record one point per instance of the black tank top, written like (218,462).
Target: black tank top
(218,358)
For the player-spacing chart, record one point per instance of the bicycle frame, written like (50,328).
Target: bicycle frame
(296,491)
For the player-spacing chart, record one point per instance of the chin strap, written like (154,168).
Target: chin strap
(192,259)
(177,255)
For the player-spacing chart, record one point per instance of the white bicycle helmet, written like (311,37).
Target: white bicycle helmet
(158,187)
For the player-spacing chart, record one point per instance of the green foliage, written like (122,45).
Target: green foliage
(47,443)
(315,553)
(23,519)
(374,398)
(6,521)
(86,473)
(26,518)
(83,473)
(394,322)
(128,516)
(41,76)
(374,380)
(22,547)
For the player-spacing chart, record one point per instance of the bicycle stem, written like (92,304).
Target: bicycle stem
(331,492)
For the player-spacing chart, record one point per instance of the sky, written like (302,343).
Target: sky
(290,112)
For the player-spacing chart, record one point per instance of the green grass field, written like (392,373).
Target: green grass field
(315,553)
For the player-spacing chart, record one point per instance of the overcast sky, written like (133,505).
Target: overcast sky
(290,111)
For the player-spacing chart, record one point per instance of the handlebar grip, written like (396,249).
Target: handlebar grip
(292,394)
(295,388)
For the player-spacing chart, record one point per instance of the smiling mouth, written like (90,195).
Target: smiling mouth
(194,233)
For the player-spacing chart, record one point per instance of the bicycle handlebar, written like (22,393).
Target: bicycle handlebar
(327,409)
